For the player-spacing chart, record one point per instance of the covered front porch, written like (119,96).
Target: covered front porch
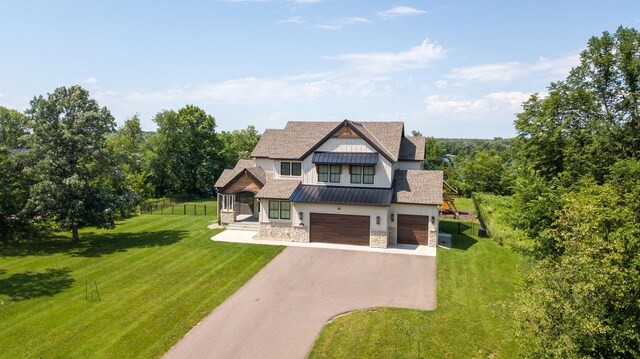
(233,207)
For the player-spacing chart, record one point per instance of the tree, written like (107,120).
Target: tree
(77,178)
(238,144)
(484,171)
(13,126)
(434,154)
(584,303)
(129,145)
(187,152)
(13,196)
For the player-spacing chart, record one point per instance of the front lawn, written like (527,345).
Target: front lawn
(129,292)
(473,280)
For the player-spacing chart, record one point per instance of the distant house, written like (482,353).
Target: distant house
(346,182)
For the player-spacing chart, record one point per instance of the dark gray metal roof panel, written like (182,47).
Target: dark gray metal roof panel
(344,158)
(342,195)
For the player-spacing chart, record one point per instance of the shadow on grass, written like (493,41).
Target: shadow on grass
(27,285)
(461,232)
(94,244)
(462,241)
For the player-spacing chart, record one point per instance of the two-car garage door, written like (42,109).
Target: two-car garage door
(339,228)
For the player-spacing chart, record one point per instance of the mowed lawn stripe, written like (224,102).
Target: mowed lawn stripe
(154,288)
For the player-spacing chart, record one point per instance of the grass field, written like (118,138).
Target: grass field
(156,277)
(473,280)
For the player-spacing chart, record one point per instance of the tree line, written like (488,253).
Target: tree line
(574,173)
(65,165)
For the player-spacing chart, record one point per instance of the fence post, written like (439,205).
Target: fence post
(194,210)
(162,208)
(151,208)
(205,209)
(185,210)
(458,227)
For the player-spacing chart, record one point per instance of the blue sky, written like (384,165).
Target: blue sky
(446,68)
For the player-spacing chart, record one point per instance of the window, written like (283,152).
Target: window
(279,210)
(369,173)
(285,168)
(356,174)
(362,174)
(335,174)
(290,169)
(274,209)
(285,210)
(296,168)
(323,173)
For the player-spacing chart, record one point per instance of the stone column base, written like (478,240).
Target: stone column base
(227,217)
(299,234)
(378,240)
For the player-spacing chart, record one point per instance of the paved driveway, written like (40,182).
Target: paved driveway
(282,309)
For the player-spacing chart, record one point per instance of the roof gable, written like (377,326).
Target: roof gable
(298,137)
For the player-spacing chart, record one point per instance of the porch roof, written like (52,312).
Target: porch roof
(343,195)
(345,158)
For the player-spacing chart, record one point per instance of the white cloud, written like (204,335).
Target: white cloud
(441,84)
(495,102)
(293,20)
(342,22)
(399,11)
(257,91)
(91,80)
(512,70)
(385,62)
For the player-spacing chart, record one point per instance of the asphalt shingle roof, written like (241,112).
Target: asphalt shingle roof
(228,175)
(298,137)
(278,188)
(418,187)
(412,148)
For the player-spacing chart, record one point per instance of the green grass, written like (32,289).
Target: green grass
(464,204)
(157,276)
(474,279)
(496,212)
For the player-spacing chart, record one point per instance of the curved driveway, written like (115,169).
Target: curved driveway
(282,309)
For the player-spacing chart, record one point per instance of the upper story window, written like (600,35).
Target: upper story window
(329,173)
(362,174)
(290,168)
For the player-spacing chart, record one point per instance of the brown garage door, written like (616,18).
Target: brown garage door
(339,228)
(413,229)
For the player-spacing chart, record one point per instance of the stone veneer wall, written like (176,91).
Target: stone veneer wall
(280,231)
(378,240)
(433,238)
(227,217)
(299,234)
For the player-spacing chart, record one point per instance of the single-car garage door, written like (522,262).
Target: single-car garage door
(413,229)
(339,228)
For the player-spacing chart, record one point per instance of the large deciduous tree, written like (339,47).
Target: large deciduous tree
(186,158)
(238,144)
(129,145)
(77,180)
(13,126)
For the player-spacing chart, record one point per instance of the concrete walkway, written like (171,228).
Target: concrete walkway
(252,238)
(282,309)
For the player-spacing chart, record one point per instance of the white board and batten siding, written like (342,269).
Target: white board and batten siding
(383,176)
(409,165)
(265,163)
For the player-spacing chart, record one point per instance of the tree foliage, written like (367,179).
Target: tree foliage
(238,144)
(186,156)
(13,127)
(577,196)
(77,180)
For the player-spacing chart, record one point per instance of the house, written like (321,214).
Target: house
(359,183)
